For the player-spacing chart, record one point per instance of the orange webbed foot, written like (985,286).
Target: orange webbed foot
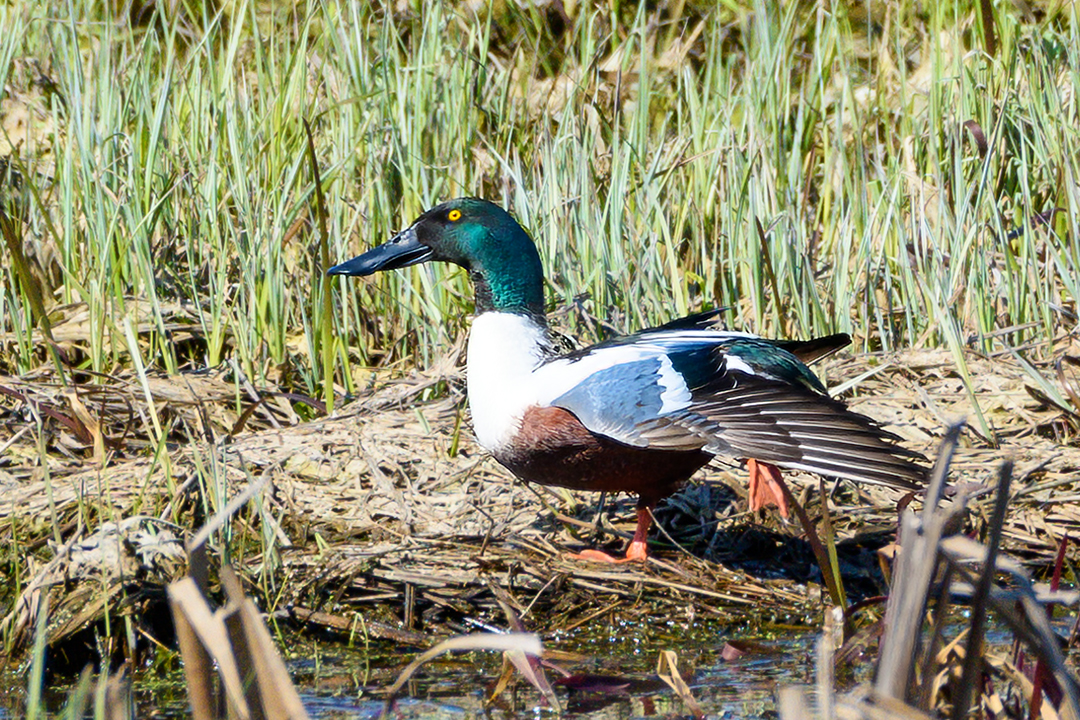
(766,487)
(637,550)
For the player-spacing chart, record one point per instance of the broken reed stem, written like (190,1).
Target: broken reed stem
(826,677)
(919,537)
(973,653)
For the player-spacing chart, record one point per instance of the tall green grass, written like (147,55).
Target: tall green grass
(641,146)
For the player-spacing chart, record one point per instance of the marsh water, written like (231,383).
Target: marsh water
(612,675)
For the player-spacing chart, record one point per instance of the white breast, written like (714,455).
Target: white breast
(504,350)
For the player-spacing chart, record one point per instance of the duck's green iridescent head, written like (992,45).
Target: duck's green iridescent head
(477,235)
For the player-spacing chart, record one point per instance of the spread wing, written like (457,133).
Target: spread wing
(727,393)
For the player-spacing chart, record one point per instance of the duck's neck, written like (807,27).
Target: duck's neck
(520,292)
(504,349)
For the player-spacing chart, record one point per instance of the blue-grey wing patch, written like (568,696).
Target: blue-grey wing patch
(617,401)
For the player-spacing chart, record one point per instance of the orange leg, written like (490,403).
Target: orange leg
(766,486)
(635,551)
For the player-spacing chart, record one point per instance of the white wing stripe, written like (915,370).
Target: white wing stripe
(676,396)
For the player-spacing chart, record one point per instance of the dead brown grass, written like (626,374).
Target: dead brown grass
(388,514)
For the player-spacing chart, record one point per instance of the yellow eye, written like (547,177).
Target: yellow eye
(454,215)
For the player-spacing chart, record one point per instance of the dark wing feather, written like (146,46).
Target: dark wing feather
(790,426)
(706,320)
(810,351)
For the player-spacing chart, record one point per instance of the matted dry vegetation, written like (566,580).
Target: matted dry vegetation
(386,519)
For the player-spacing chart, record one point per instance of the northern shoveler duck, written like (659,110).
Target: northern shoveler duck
(641,413)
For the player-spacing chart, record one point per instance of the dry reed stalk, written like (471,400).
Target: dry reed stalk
(913,677)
